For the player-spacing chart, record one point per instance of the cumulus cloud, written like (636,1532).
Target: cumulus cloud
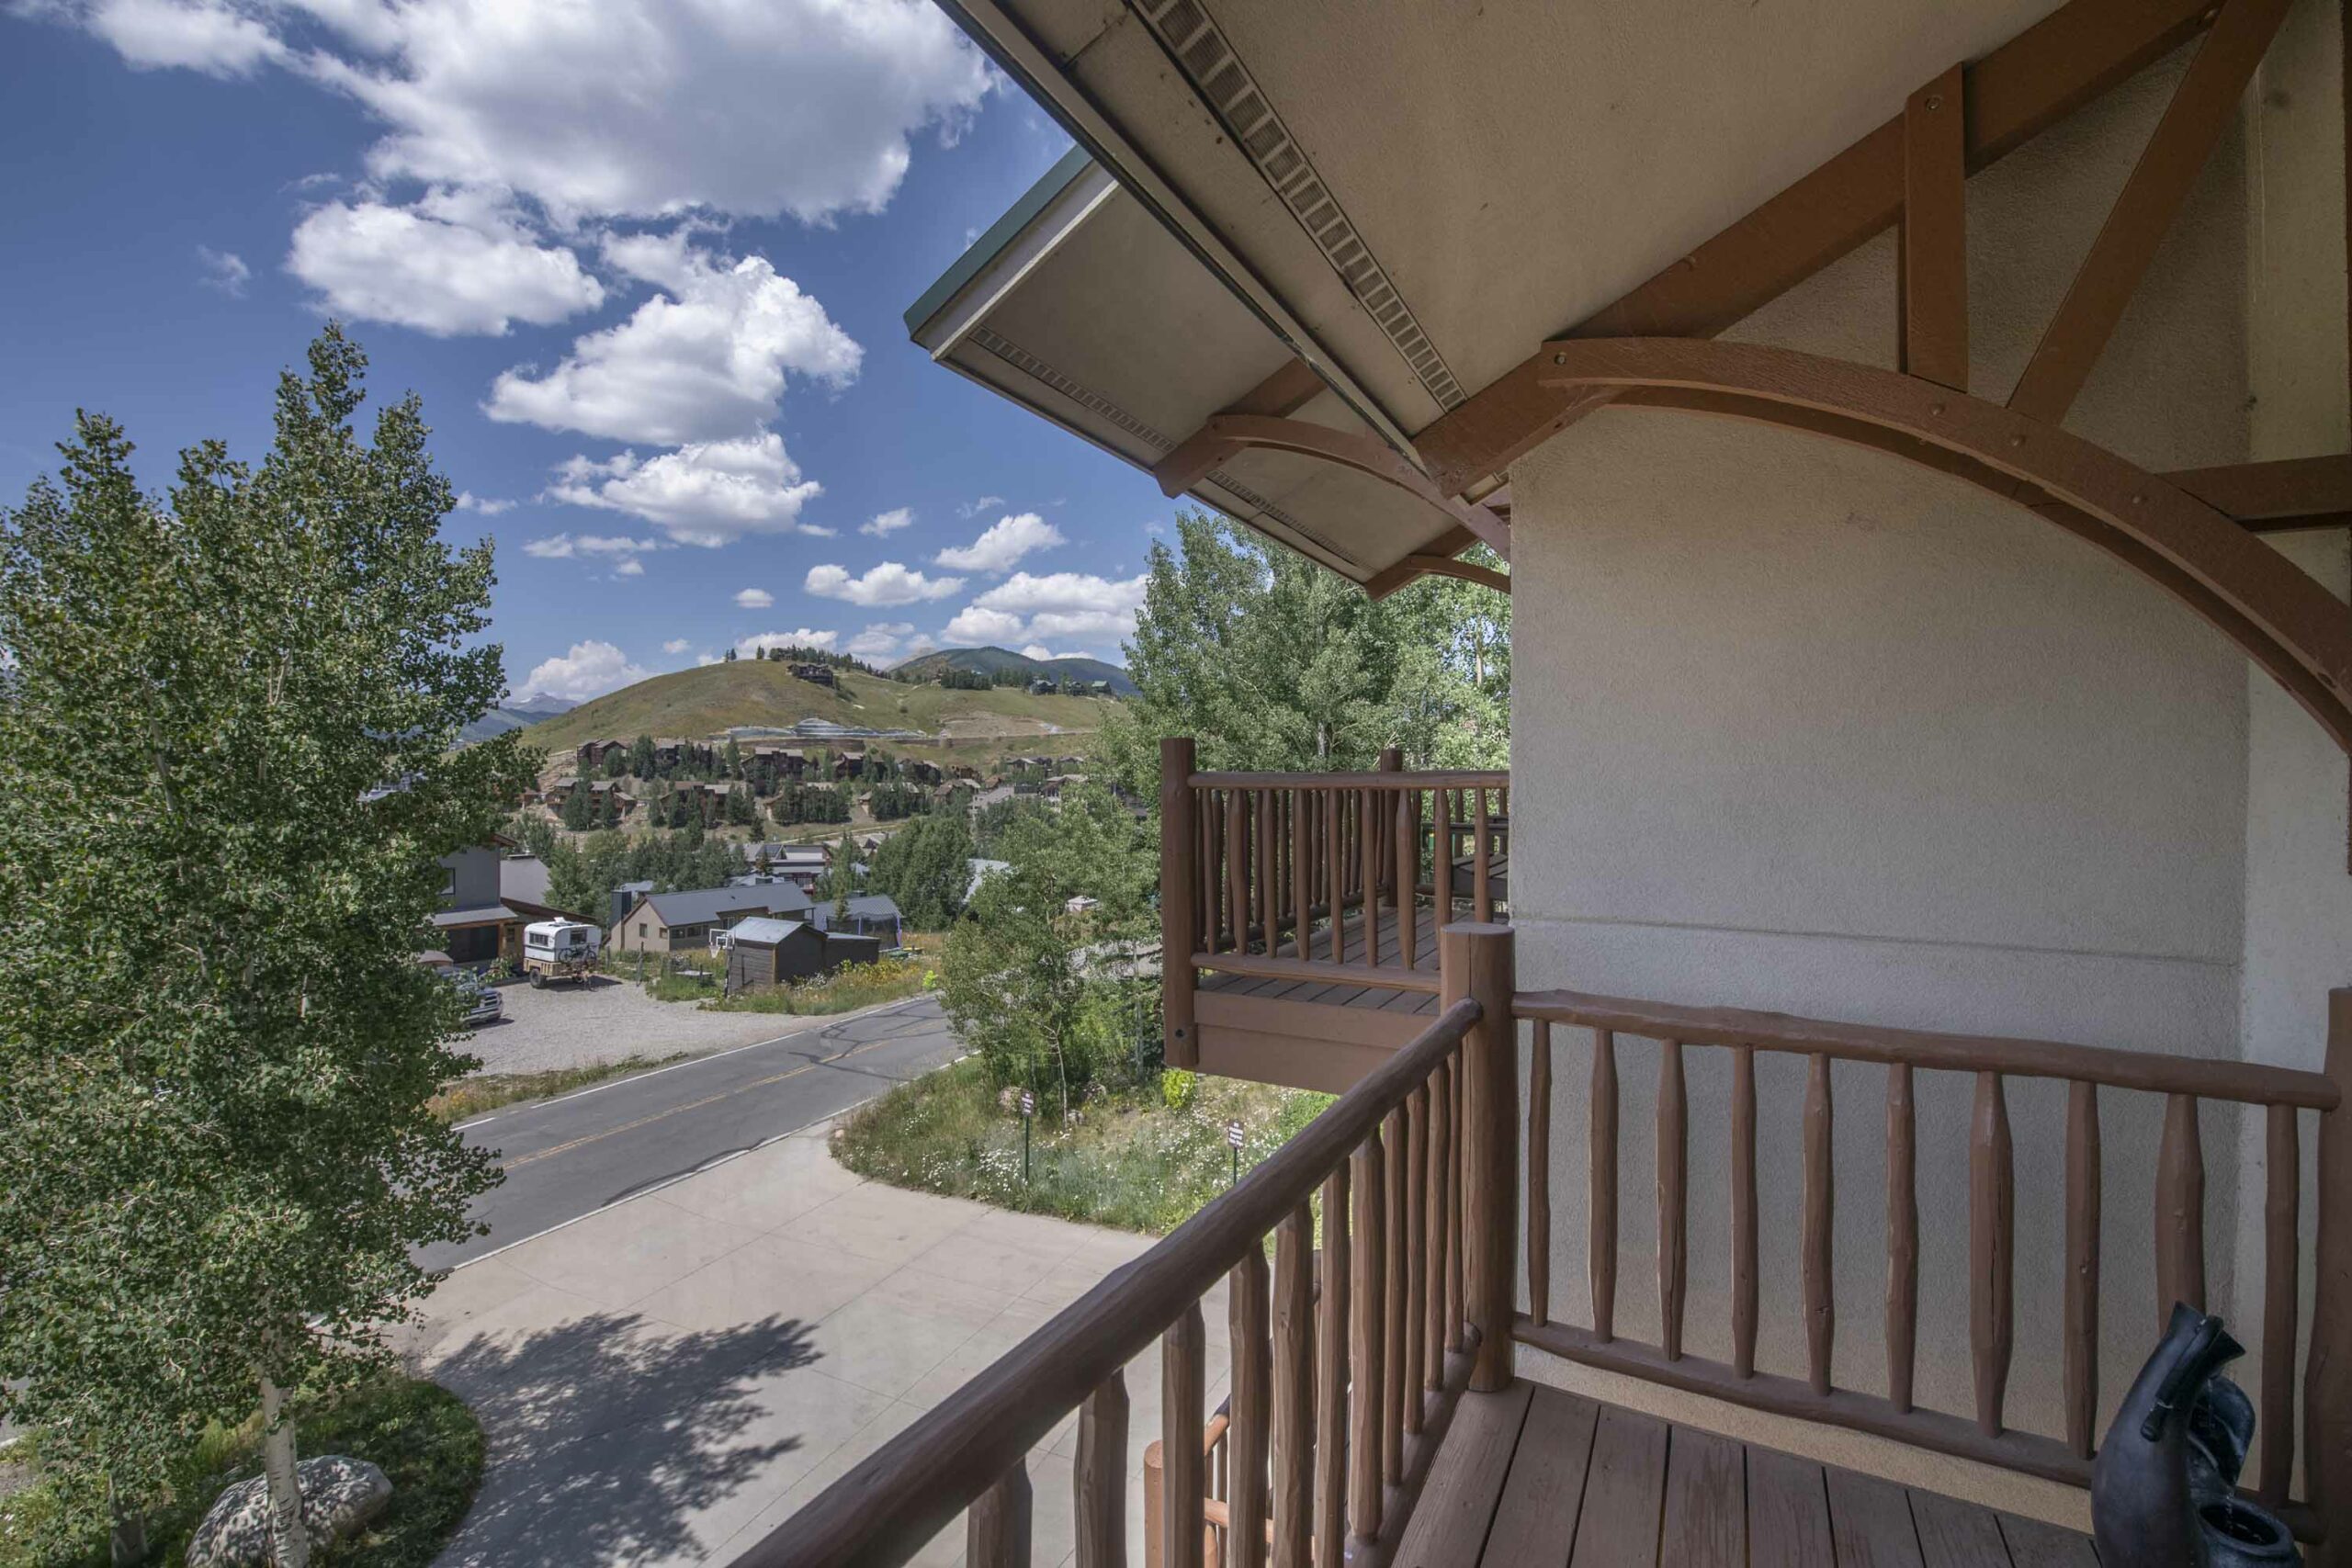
(630,568)
(590,669)
(706,361)
(564,547)
(1004,542)
(487,506)
(882,525)
(1064,607)
(755,599)
(224,271)
(455,262)
(888,584)
(675,645)
(641,107)
(752,647)
(704,493)
(879,640)
(974,508)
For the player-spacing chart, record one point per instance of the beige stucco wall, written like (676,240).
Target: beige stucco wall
(1798,727)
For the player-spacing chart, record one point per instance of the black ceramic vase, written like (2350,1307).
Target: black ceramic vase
(2164,1489)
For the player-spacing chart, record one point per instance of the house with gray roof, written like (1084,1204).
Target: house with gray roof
(676,922)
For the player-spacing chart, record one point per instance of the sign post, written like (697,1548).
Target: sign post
(1233,1136)
(1028,1109)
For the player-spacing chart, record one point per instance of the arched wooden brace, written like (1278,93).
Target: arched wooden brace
(1228,433)
(2277,614)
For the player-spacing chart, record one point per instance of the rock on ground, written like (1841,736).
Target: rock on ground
(339,1497)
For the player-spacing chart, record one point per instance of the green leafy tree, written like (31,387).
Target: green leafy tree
(227,743)
(925,868)
(1023,980)
(578,807)
(640,756)
(844,877)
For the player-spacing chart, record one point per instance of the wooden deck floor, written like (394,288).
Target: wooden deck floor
(1392,953)
(1533,1477)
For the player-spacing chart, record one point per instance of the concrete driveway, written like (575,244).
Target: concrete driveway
(668,1379)
(606,1020)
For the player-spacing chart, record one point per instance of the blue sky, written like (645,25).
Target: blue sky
(644,260)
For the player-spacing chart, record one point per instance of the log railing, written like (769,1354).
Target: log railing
(1318,876)
(1340,1395)
(1983,1434)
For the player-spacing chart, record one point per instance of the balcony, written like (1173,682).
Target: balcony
(1403,1369)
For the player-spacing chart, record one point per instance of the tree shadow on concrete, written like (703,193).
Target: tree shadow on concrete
(609,1436)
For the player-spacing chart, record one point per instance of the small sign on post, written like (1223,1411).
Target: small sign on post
(1233,1138)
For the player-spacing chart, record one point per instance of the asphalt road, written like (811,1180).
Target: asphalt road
(571,1157)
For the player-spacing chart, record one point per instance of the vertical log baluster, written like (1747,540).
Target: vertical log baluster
(1407,856)
(2180,1209)
(996,1527)
(1820,1206)
(1437,1320)
(1481,851)
(2282,1215)
(2081,1330)
(1099,1475)
(1368,1341)
(1396,1142)
(1335,870)
(1992,1241)
(1179,901)
(1332,1346)
(1417,1280)
(1269,907)
(1302,871)
(1441,856)
(1600,1186)
(1368,853)
(1673,1196)
(1539,1175)
(2327,1370)
(1237,866)
(1902,1236)
(1294,1456)
(1183,1475)
(1249,1404)
(1745,1289)
(1209,870)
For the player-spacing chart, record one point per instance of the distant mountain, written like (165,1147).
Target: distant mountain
(992,662)
(516,716)
(539,704)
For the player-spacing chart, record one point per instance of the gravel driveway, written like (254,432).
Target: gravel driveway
(604,1020)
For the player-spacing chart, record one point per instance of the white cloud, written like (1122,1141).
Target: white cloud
(820,531)
(755,599)
(675,645)
(885,524)
(1039,651)
(590,669)
(487,506)
(630,568)
(707,361)
(879,639)
(888,584)
(752,647)
(703,493)
(223,270)
(974,508)
(563,546)
(1004,542)
(920,644)
(1062,606)
(455,262)
(195,35)
(640,107)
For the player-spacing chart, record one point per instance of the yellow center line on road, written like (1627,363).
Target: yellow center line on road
(697,1105)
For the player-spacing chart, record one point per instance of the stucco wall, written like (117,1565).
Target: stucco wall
(1798,727)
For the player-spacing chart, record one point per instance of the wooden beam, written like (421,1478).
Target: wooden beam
(1932,261)
(2295,493)
(2035,80)
(2278,613)
(1446,566)
(1366,455)
(2205,102)
(1280,395)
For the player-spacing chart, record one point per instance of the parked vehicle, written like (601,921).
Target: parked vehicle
(559,949)
(483,1004)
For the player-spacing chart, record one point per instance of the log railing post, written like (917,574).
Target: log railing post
(1178,920)
(1477,961)
(2327,1375)
(996,1528)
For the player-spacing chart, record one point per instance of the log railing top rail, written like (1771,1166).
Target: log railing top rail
(2250,1083)
(1388,779)
(886,1508)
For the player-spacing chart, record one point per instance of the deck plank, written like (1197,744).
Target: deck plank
(1870,1522)
(2033,1544)
(1788,1512)
(1953,1534)
(1537,1520)
(1705,1523)
(1622,1493)
(1457,1503)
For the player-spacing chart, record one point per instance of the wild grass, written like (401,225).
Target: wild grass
(468,1098)
(1135,1157)
(846,989)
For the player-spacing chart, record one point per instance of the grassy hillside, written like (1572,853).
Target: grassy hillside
(992,661)
(699,702)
